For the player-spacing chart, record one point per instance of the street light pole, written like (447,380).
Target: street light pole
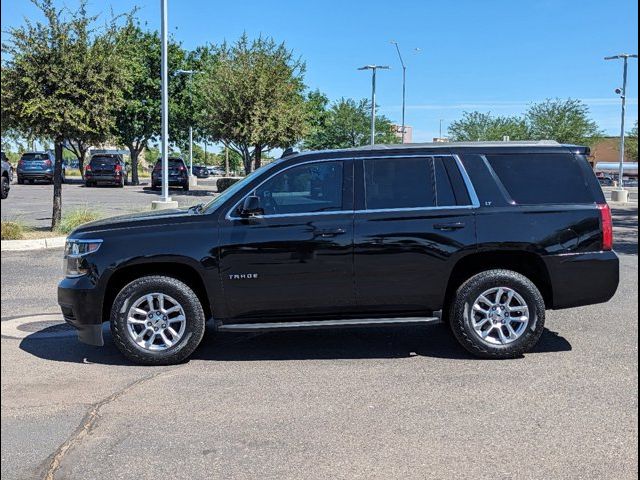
(623,95)
(404,87)
(165,104)
(373,69)
(190,73)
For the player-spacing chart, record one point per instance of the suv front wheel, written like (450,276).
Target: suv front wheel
(498,314)
(157,320)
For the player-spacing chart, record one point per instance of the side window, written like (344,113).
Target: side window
(308,188)
(546,178)
(399,183)
(450,187)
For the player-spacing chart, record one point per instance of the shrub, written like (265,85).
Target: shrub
(12,231)
(75,218)
(225,182)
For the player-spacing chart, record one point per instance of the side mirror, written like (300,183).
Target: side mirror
(251,207)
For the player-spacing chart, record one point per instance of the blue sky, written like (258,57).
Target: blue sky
(490,55)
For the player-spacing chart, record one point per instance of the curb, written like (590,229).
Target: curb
(35,244)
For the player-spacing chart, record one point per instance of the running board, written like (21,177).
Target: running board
(317,324)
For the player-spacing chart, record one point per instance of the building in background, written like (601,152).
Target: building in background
(408,135)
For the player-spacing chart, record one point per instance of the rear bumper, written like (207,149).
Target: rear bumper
(81,304)
(103,178)
(173,181)
(35,174)
(583,279)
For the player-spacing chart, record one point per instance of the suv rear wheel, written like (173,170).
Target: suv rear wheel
(157,320)
(498,314)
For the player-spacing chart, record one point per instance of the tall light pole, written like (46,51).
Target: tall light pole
(190,73)
(164,73)
(373,69)
(404,86)
(623,95)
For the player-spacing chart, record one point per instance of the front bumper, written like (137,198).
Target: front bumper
(583,279)
(81,304)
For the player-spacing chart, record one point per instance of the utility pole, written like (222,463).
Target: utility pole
(622,195)
(190,73)
(373,69)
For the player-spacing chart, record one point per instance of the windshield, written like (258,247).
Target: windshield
(235,188)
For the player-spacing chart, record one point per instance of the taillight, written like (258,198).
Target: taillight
(47,162)
(118,168)
(21,163)
(87,168)
(182,168)
(607,227)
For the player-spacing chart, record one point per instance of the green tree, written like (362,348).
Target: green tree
(251,98)
(478,126)
(61,77)
(346,124)
(631,144)
(566,121)
(137,122)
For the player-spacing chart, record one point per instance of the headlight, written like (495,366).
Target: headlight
(74,253)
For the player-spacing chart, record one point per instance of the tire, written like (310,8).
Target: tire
(4,187)
(154,186)
(174,291)
(186,187)
(463,315)
(20,181)
(31,182)
(87,184)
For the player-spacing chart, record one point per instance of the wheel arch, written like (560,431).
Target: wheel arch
(528,264)
(182,271)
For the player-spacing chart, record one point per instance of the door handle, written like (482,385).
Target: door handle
(332,232)
(448,227)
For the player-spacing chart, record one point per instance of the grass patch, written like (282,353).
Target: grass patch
(13,231)
(73,219)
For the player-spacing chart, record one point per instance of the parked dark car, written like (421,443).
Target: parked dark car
(7,176)
(37,166)
(200,171)
(178,174)
(484,236)
(606,181)
(110,169)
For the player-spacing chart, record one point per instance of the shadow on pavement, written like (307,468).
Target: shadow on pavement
(376,343)
(625,221)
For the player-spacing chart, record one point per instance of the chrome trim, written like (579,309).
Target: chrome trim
(475,201)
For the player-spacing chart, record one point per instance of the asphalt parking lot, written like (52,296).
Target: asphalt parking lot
(31,204)
(346,404)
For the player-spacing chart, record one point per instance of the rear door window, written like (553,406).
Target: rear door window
(533,179)
(392,183)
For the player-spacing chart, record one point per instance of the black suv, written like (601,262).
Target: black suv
(178,174)
(106,168)
(485,237)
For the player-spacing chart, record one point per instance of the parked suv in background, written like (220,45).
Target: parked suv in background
(484,236)
(106,168)
(37,166)
(178,174)
(7,176)
(200,171)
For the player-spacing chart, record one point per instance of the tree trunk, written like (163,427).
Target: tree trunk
(81,157)
(134,153)
(247,161)
(257,154)
(56,214)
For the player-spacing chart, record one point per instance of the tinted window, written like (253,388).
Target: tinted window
(532,179)
(445,195)
(35,156)
(314,187)
(104,160)
(399,183)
